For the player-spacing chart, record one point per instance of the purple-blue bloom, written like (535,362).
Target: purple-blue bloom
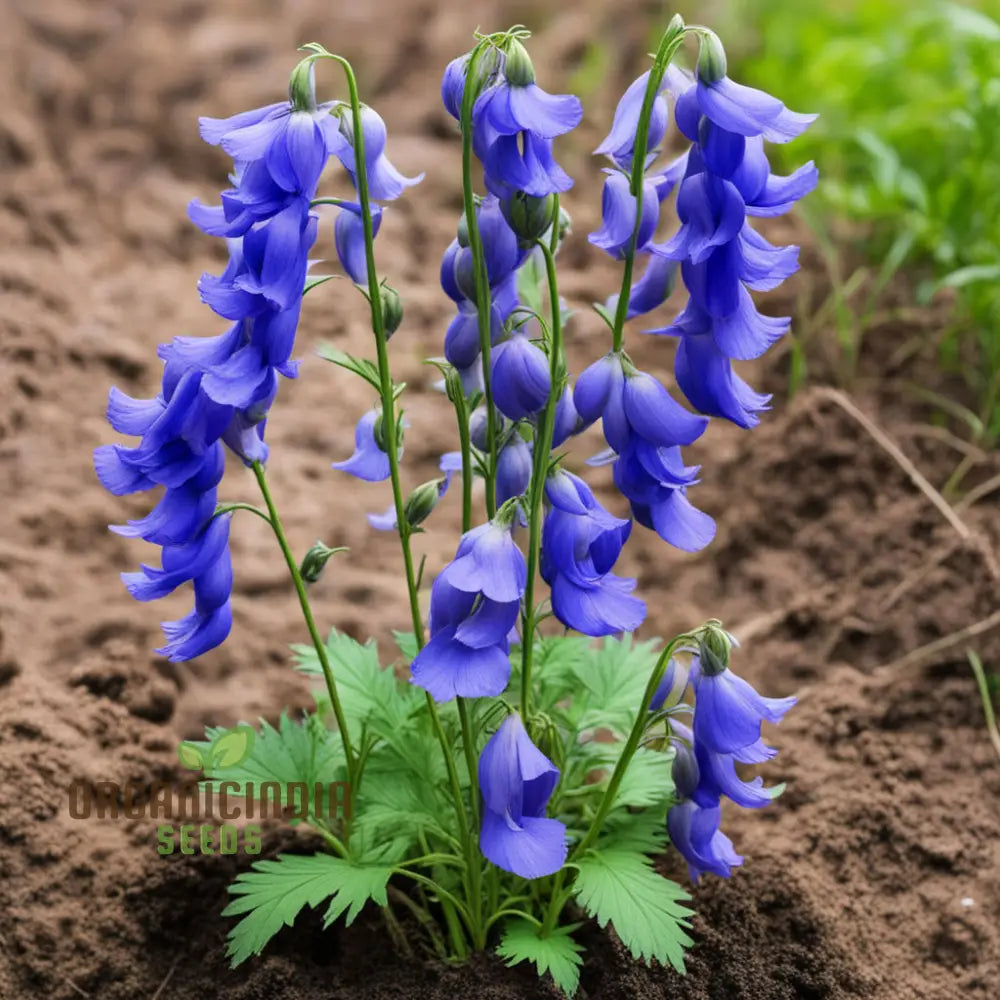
(726,179)
(349,238)
(694,831)
(516,780)
(475,602)
(385,182)
(370,460)
(581,542)
(513,468)
(520,374)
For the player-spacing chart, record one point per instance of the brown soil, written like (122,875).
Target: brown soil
(876,875)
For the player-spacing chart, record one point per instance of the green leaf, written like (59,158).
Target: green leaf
(359,366)
(647,780)
(619,886)
(558,954)
(407,643)
(303,751)
(274,892)
(555,661)
(369,694)
(615,675)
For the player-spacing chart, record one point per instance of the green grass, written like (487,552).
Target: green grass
(908,144)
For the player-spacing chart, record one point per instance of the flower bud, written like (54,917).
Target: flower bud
(423,500)
(392,309)
(518,69)
(463,231)
(479,429)
(711,57)
(302,86)
(528,216)
(714,645)
(684,770)
(315,560)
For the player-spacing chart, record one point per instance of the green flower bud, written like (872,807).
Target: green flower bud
(714,645)
(302,86)
(463,231)
(315,560)
(392,309)
(528,216)
(518,68)
(422,501)
(711,57)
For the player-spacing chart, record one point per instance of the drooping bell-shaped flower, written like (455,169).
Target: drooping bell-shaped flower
(516,780)
(370,461)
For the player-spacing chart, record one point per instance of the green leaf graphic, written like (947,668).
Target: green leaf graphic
(190,756)
(232,747)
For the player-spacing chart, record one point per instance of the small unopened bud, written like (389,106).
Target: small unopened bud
(711,57)
(518,69)
(378,432)
(463,231)
(423,500)
(392,309)
(302,86)
(315,560)
(714,645)
(528,216)
(684,770)
(479,429)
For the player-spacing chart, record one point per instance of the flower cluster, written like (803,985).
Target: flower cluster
(475,604)
(725,732)
(726,179)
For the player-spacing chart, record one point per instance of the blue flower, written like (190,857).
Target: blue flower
(204,560)
(514,123)
(513,468)
(694,831)
(619,144)
(520,375)
(581,542)
(618,214)
(726,179)
(516,780)
(369,461)
(475,602)
(349,238)
(385,182)
(729,711)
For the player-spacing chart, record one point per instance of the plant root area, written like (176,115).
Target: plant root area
(877,873)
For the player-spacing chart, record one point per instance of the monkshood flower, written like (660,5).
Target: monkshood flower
(475,602)
(694,831)
(521,378)
(514,123)
(516,780)
(581,542)
(349,239)
(513,468)
(385,182)
(727,178)
(370,461)
(205,561)
(645,427)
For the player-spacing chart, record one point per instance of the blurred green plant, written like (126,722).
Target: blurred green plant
(909,101)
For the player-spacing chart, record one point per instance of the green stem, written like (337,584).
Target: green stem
(608,799)
(482,281)
(227,508)
(669,45)
(465,443)
(300,589)
(543,446)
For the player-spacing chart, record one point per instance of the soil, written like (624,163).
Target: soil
(876,875)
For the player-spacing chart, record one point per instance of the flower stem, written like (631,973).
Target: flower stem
(317,641)
(558,898)
(669,44)
(540,460)
(482,280)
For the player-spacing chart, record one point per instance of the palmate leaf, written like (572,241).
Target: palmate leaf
(614,675)
(369,694)
(555,661)
(558,954)
(619,886)
(647,780)
(273,893)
